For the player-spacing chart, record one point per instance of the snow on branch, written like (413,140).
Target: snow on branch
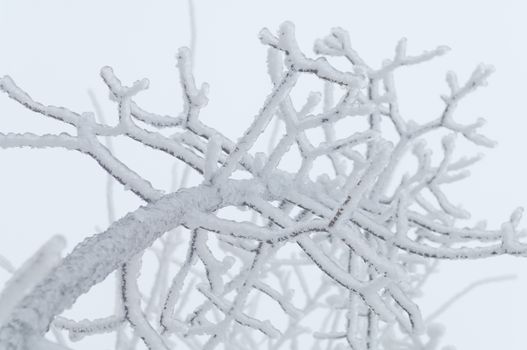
(367,245)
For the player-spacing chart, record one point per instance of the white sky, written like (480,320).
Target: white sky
(54,50)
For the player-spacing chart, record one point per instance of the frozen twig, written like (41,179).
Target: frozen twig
(369,245)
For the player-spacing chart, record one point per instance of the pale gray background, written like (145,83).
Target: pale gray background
(54,49)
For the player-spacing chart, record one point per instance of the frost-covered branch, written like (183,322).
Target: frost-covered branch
(369,236)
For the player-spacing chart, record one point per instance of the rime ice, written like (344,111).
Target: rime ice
(366,242)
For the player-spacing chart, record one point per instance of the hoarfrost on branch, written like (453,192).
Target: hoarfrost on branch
(374,244)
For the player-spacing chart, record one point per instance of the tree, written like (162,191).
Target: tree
(371,235)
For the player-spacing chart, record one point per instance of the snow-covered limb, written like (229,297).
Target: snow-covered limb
(368,245)
(284,302)
(264,327)
(132,305)
(296,60)
(338,43)
(80,329)
(91,261)
(62,114)
(29,275)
